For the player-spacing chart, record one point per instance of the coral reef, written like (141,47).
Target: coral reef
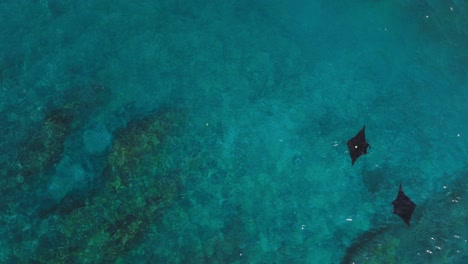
(45,145)
(138,184)
(44,142)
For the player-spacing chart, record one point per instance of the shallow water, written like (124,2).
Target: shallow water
(224,129)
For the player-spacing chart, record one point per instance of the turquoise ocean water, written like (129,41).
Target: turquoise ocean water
(215,131)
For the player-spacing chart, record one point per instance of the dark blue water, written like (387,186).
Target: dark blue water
(215,131)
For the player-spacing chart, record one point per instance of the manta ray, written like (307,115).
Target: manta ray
(358,145)
(403,206)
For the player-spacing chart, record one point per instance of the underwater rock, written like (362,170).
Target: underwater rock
(97,140)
